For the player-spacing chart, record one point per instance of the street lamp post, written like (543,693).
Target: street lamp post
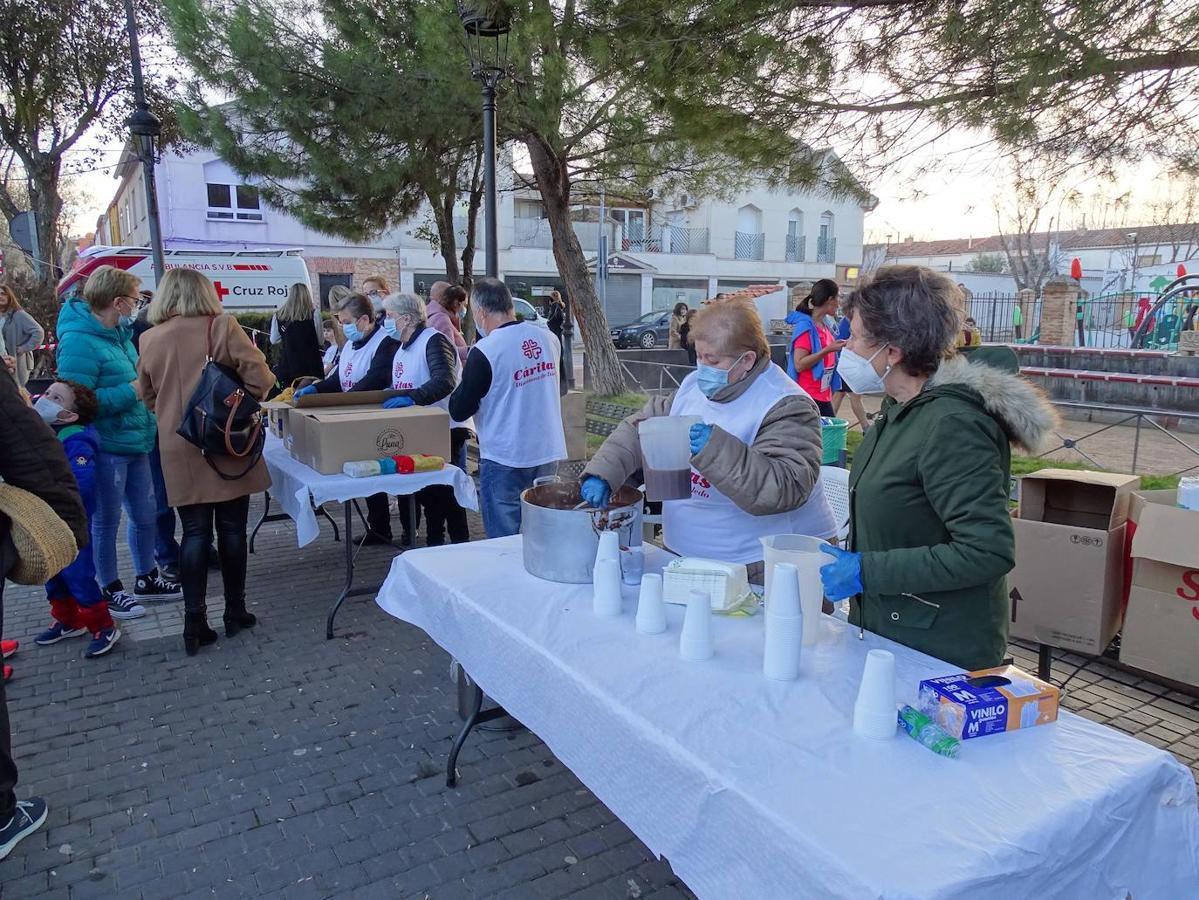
(146,129)
(487,45)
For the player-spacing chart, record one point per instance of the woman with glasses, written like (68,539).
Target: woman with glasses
(95,349)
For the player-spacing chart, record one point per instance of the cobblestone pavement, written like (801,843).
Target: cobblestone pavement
(279,764)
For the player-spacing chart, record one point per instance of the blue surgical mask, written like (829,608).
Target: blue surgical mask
(352,332)
(128,321)
(711,379)
(48,409)
(390,328)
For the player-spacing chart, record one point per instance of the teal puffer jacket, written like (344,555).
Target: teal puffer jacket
(104,360)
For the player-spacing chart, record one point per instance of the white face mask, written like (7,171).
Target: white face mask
(858,372)
(48,409)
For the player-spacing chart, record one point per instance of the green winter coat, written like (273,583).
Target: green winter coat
(929,511)
(104,360)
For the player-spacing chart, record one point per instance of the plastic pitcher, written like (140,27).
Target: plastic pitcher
(666,449)
(804,553)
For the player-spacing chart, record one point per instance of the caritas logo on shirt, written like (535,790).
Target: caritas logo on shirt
(539,372)
(699,485)
(347,380)
(397,378)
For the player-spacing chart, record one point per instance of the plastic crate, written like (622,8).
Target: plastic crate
(833,433)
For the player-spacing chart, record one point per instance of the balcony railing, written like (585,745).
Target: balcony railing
(826,249)
(749,246)
(536,233)
(669,239)
(794,251)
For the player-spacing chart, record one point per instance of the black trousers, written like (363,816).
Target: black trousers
(8,769)
(442,512)
(378,515)
(826,408)
(198,519)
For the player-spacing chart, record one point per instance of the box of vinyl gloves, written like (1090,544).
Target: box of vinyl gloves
(990,701)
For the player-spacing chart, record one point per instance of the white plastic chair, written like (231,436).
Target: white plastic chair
(836,491)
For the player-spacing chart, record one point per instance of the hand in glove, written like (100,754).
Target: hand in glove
(842,577)
(398,403)
(595,491)
(699,434)
(305,391)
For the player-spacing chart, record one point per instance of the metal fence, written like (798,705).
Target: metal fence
(794,250)
(747,245)
(668,239)
(1108,321)
(826,249)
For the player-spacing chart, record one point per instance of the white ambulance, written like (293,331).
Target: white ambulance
(244,279)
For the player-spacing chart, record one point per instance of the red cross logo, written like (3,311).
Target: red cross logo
(221,292)
(531,349)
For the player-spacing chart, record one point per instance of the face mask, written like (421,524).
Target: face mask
(858,372)
(462,314)
(128,321)
(47,409)
(352,332)
(376,301)
(711,379)
(390,328)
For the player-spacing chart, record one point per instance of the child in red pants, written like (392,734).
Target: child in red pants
(76,603)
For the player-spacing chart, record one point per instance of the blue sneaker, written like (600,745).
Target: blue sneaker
(56,633)
(102,642)
(27,818)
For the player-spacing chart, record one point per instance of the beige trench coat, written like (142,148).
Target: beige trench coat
(172,357)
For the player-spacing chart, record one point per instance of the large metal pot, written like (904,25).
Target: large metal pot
(560,541)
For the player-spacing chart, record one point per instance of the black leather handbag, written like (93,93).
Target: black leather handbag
(221,418)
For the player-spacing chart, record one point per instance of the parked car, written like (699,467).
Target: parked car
(649,331)
(527,312)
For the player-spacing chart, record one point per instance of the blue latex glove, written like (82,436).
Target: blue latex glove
(305,391)
(595,491)
(842,577)
(699,434)
(398,403)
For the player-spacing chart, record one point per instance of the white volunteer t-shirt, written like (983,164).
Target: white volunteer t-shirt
(410,369)
(356,363)
(519,421)
(710,524)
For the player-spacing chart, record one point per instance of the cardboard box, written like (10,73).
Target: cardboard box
(276,417)
(989,701)
(343,398)
(326,440)
(297,426)
(1067,587)
(1161,626)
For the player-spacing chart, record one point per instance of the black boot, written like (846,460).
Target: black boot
(196,632)
(236,617)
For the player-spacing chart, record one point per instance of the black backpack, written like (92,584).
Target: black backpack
(221,418)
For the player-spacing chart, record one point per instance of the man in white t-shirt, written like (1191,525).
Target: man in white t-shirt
(510,386)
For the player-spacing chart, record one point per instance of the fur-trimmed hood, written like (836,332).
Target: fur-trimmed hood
(1023,409)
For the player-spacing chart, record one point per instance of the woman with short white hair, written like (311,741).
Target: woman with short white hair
(425,370)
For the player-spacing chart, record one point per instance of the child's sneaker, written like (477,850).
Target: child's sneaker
(56,633)
(120,604)
(102,642)
(8,648)
(153,586)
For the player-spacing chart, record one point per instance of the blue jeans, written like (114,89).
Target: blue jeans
(123,481)
(500,487)
(166,548)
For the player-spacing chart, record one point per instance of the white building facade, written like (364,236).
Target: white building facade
(671,249)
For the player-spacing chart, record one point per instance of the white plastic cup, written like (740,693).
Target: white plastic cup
(609,546)
(651,611)
(874,713)
(783,598)
(805,554)
(695,643)
(784,646)
(632,564)
(605,600)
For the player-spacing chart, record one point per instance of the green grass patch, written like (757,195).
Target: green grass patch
(625,398)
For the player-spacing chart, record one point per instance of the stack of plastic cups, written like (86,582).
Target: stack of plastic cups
(784,626)
(874,713)
(651,611)
(609,546)
(605,577)
(695,643)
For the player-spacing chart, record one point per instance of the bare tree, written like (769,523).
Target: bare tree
(1176,216)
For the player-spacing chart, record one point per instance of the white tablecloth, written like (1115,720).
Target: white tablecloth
(295,487)
(759,789)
